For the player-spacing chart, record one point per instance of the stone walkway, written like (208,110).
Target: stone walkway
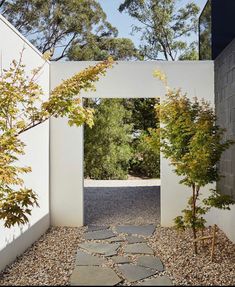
(118,255)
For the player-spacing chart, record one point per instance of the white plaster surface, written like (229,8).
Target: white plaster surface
(130,80)
(15,240)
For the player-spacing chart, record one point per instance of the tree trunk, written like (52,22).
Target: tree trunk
(194,219)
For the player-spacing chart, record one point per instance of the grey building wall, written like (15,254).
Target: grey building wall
(225,110)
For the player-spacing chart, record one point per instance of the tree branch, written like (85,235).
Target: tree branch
(65,48)
(2,2)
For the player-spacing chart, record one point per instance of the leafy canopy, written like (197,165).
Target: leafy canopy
(165,27)
(146,156)
(191,139)
(107,145)
(74,29)
(23,108)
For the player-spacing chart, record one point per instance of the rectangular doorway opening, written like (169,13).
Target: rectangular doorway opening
(122,162)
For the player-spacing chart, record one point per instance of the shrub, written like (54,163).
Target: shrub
(107,145)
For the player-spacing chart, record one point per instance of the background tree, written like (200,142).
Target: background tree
(145,161)
(22,108)
(76,29)
(146,158)
(193,142)
(102,146)
(165,26)
(205,33)
(100,49)
(107,145)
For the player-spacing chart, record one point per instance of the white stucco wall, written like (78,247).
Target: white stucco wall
(126,79)
(224,219)
(15,240)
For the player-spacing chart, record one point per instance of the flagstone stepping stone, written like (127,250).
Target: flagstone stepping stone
(158,281)
(138,248)
(99,235)
(134,273)
(144,230)
(150,262)
(121,260)
(116,239)
(110,254)
(100,248)
(96,228)
(94,276)
(84,259)
(134,239)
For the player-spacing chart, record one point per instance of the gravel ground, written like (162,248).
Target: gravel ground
(175,250)
(50,260)
(122,205)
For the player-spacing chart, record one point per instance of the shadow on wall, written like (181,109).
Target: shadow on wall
(122,205)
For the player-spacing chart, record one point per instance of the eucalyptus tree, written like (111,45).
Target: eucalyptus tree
(166,28)
(76,29)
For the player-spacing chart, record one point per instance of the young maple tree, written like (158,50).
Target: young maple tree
(194,143)
(23,108)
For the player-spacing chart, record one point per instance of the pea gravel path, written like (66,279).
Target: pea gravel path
(122,204)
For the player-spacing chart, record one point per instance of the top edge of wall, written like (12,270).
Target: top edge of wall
(6,22)
(137,62)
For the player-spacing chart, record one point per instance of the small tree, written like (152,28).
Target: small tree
(23,108)
(107,146)
(193,142)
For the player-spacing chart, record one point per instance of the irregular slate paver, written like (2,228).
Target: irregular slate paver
(100,248)
(84,259)
(158,281)
(134,239)
(134,273)
(150,262)
(94,276)
(99,235)
(96,228)
(121,259)
(110,254)
(144,230)
(138,248)
(116,239)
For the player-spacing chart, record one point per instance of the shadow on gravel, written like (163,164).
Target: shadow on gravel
(122,205)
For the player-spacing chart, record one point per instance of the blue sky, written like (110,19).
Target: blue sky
(123,22)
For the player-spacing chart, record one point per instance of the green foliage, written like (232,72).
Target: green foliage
(76,29)
(100,49)
(146,159)
(194,143)
(107,146)
(143,113)
(164,27)
(22,108)
(146,156)
(205,33)
(217,200)
(191,139)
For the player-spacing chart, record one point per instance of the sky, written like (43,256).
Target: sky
(123,22)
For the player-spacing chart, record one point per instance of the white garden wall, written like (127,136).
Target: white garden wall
(126,79)
(15,240)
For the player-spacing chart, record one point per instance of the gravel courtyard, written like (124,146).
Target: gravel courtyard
(51,259)
(119,204)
